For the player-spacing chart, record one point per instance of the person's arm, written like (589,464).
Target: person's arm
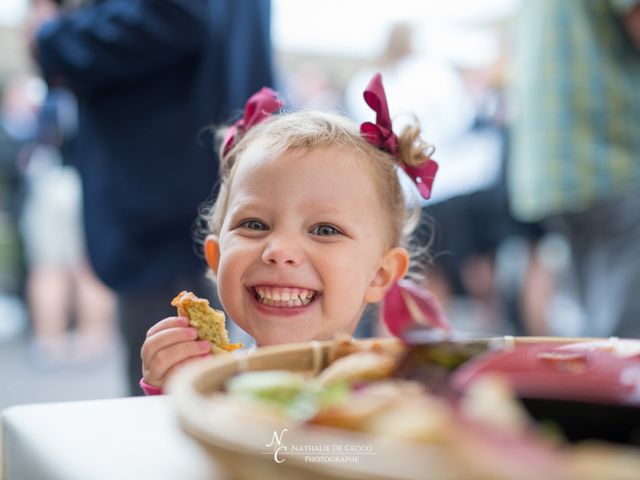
(629,12)
(120,40)
(631,21)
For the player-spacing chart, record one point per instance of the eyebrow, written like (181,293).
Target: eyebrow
(315,207)
(239,208)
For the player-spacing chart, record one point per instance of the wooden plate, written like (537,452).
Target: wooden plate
(239,441)
(248,445)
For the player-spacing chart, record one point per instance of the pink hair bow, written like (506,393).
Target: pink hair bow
(408,306)
(380,134)
(422,176)
(260,106)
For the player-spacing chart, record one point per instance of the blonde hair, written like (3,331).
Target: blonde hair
(307,130)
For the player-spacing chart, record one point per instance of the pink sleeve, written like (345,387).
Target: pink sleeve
(150,389)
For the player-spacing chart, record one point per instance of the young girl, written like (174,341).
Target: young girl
(307,228)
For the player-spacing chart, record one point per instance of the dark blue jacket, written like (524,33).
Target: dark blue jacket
(149,76)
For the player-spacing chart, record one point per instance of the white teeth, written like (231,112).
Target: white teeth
(284,297)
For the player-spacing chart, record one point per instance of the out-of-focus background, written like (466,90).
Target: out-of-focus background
(445,61)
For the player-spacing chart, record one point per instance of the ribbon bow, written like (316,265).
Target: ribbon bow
(380,134)
(408,306)
(259,107)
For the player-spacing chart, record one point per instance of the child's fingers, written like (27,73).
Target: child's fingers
(165,338)
(155,370)
(169,322)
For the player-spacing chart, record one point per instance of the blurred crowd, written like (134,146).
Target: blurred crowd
(532,228)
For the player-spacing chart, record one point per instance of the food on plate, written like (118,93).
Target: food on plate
(344,345)
(358,367)
(293,395)
(392,407)
(208,321)
(623,348)
(490,401)
(476,414)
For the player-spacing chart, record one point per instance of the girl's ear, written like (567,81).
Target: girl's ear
(212,252)
(394,266)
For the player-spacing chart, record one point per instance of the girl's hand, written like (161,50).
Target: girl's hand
(170,344)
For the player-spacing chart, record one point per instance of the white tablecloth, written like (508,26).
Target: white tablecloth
(127,438)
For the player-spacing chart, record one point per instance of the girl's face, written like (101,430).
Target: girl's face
(301,250)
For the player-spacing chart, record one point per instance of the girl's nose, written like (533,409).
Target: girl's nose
(282,251)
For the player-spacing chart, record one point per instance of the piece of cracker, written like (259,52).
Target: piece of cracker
(208,321)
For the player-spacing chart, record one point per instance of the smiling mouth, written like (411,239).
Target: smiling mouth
(284,297)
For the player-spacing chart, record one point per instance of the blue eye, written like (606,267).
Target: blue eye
(254,225)
(324,230)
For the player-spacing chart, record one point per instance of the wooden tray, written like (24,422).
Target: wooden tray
(244,443)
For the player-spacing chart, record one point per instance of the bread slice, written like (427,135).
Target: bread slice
(208,322)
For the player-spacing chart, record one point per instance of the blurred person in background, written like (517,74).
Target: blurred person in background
(310,86)
(149,77)
(575,157)
(467,217)
(60,285)
(13,135)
